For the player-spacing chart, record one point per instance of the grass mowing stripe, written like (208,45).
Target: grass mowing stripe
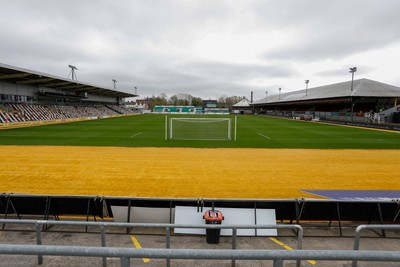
(149,131)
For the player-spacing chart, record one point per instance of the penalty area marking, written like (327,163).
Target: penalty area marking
(264,136)
(134,135)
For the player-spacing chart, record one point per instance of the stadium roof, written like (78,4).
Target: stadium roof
(30,77)
(361,88)
(243,103)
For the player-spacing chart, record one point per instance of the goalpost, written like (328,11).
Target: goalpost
(199,128)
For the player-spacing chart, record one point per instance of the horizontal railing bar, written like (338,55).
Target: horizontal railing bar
(378,226)
(200,253)
(102,225)
(150,225)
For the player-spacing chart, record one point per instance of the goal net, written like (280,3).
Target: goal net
(200,129)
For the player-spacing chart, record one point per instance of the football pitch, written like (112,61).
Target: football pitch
(272,158)
(252,132)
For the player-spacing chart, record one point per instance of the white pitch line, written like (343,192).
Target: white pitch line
(265,136)
(134,135)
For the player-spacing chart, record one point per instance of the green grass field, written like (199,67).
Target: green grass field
(252,132)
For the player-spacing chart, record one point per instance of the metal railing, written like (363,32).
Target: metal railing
(224,254)
(102,225)
(125,254)
(357,235)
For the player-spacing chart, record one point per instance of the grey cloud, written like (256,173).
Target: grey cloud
(333,72)
(340,72)
(201,78)
(215,77)
(148,44)
(332,29)
(233,72)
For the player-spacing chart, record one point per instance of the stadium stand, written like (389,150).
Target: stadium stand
(120,109)
(11,113)
(27,95)
(369,102)
(216,111)
(175,109)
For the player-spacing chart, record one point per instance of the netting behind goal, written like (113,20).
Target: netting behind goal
(200,129)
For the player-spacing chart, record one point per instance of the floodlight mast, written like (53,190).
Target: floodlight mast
(352,70)
(72,72)
(307,81)
(114,81)
(280,93)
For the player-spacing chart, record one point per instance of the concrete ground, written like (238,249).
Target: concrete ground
(326,238)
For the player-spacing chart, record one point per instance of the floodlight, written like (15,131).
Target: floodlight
(353,69)
(72,72)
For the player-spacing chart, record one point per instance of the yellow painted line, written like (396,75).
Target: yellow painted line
(288,248)
(137,245)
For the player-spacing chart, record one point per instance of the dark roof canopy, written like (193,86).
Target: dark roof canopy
(24,76)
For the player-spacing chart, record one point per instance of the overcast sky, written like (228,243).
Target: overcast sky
(207,48)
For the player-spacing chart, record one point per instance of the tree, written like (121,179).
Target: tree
(173,100)
(158,101)
(221,103)
(197,101)
(181,100)
(228,102)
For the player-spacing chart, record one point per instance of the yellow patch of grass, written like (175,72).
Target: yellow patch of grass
(193,173)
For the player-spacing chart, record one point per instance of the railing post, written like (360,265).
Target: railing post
(168,243)
(38,241)
(103,242)
(357,242)
(234,234)
(299,242)
(278,263)
(128,217)
(125,262)
(381,218)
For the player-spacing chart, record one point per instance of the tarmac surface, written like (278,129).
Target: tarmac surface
(316,237)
